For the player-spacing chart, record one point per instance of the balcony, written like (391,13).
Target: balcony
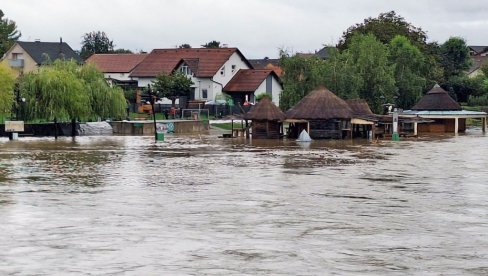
(17,63)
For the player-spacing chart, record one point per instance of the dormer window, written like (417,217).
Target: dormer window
(185,70)
(222,71)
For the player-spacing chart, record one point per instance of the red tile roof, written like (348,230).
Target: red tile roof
(116,63)
(166,60)
(248,80)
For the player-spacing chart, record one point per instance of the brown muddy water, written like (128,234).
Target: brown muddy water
(207,206)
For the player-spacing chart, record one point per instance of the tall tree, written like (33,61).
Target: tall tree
(7,82)
(455,57)
(370,58)
(385,27)
(408,62)
(8,34)
(95,43)
(172,86)
(212,44)
(301,75)
(65,91)
(341,76)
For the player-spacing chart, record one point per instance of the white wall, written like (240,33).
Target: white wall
(276,90)
(117,76)
(223,79)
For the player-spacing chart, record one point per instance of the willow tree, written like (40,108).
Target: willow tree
(105,101)
(7,82)
(65,91)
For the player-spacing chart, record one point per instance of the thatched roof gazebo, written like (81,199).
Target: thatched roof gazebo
(437,99)
(447,114)
(267,120)
(326,115)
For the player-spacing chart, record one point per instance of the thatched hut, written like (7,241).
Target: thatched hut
(363,121)
(447,114)
(322,113)
(267,120)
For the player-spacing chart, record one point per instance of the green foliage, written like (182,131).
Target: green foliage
(478,101)
(262,95)
(122,51)
(463,87)
(65,91)
(484,69)
(95,43)
(8,34)
(370,58)
(385,27)
(302,75)
(185,46)
(212,44)
(341,76)
(455,57)
(172,86)
(408,62)
(7,82)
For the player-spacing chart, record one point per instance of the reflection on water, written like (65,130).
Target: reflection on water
(203,205)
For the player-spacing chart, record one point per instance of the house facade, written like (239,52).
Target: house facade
(248,83)
(479,56)
(117,68)
(25,57)
(211,70)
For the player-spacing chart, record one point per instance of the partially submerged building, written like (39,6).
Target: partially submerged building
(446,113)
(267,120)
(322,114)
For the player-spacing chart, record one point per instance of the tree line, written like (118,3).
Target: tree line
(383,59)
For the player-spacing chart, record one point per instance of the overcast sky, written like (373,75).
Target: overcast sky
(257,27)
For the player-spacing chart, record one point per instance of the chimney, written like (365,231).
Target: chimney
(60,40)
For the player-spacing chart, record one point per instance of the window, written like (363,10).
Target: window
(204,93)
(185,70)
(16,56)
(233,68)
(222,71)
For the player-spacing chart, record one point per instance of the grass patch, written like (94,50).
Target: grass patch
(227,126)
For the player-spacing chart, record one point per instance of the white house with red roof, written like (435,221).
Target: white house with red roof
(209,69)
(117,68)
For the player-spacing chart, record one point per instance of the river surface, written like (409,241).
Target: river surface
(202,205)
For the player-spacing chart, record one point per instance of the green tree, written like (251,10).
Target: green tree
(7,82)
(64,91)
(95,43)
(301,75)
(462,87)
(212,44)
(484,69)
(185,46)
(341,76)
(122,51)
(385,27)
(8,33)
(455,57)
(370,59)
(408,62)
(172,86)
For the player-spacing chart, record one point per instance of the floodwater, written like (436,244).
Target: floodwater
(207,206)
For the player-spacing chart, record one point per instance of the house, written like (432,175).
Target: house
(478,57)
(209,69)
(247,83)
(447,114)
(322,114)
(267,63)
(117,68)
(26,57)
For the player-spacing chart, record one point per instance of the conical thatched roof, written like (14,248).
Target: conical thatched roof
(320,104)
(359,107)
(266,110)
(437,99)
